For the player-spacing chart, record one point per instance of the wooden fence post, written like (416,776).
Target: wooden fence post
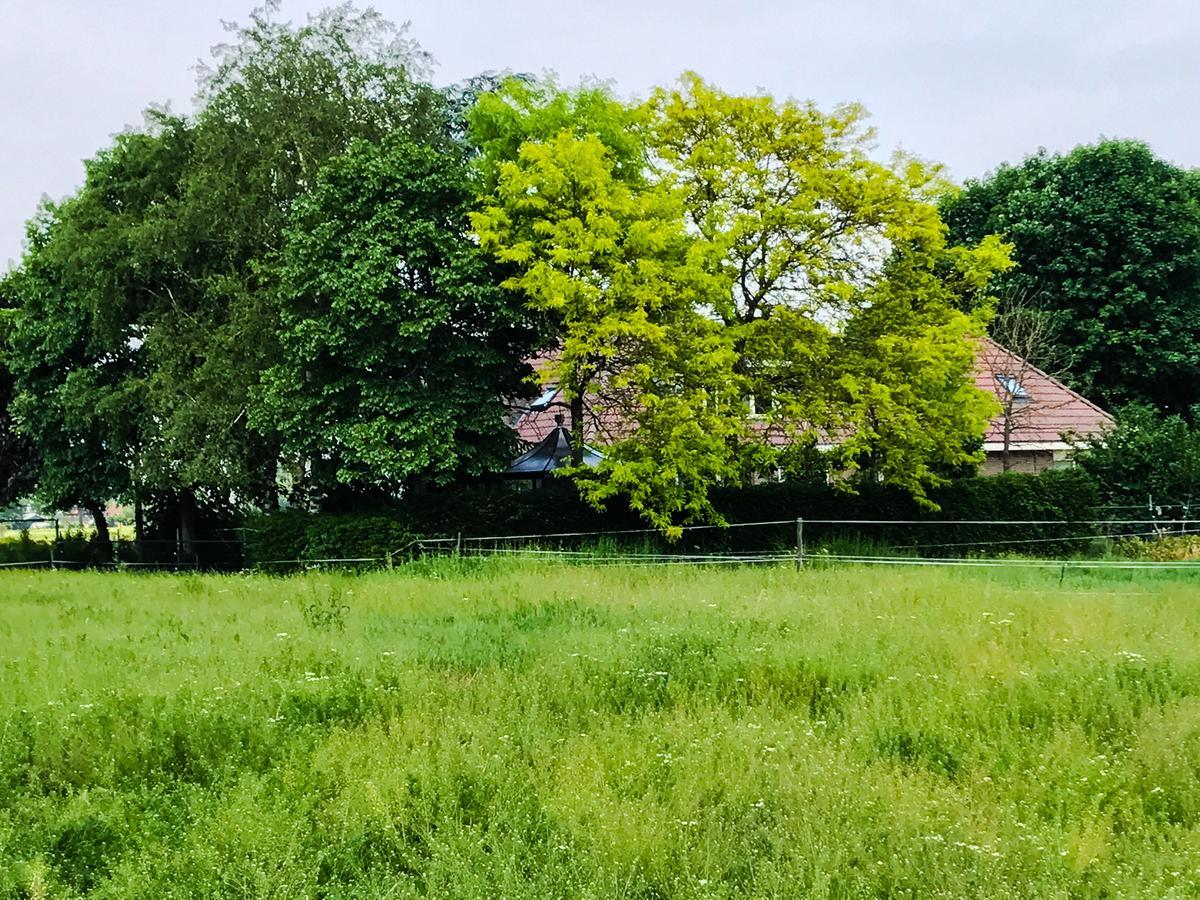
(799,543)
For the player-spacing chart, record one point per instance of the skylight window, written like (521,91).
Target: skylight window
(547,397)
(1013,387)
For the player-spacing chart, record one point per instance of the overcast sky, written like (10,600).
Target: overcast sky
(969,83)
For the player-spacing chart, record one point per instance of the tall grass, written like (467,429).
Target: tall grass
(481,728)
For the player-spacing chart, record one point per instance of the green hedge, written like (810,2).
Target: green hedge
(74,547)
(1068,498)
(23,549)
(291,536)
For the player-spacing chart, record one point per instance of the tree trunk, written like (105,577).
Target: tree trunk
(104,545)
(139,528)
(187,528)
(1005,453)
(577,429)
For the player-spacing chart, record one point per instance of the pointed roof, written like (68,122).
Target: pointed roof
(552,452)
(1050,408)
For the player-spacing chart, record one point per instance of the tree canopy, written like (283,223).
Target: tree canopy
(76,349)
(149,302)
(17,461)
(1148,460)
(397,340)
(746,249)
(324,283)
(1107,239)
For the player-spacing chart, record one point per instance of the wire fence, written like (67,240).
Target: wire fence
(619,548)
(607,548)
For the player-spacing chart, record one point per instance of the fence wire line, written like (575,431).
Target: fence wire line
(650,560)
(981,543)
(463,539)
(765,556)
(1080,537)
(618,559)
(1013,563)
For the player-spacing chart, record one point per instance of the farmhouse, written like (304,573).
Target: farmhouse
(1039,417)
(1037,413)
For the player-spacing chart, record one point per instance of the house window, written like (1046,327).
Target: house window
(1013,387)
(760,406)
(548,395)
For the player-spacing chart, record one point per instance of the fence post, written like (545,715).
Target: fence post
(178,547)
(799,543)
(54,544)
(458,545)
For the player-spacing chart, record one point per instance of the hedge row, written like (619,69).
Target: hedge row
(1067,498)
(284,537)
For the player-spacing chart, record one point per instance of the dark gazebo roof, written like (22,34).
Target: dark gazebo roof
(553,452)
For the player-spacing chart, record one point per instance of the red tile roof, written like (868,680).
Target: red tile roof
(1051,411)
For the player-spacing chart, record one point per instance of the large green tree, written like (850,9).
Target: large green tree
(1107,239)
(90,278)
(149,302)
(735,250)
(606,255)
(279,103)
(1147,459)
(398,342)
(837,287)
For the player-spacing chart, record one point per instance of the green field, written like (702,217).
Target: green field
(499,729)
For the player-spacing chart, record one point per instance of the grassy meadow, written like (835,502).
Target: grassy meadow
(491,728)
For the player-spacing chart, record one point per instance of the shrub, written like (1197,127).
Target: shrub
(354,537)
(1168,548)
(1068,497)
(276,536)
(23,549)
(296,536)
(1147,457)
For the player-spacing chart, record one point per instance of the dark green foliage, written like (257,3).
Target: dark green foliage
(280,102)
(278,536)
(1068,497)
(85,848)
(398,343)
(1148,460)
(920,748)
(1107,238)
(354,537)
(293,535)
(75,348)
(23,549)
(147,305)
(17,461)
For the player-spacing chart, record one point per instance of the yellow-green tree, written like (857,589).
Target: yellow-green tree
(604,252)
(735,275)
(838,290)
